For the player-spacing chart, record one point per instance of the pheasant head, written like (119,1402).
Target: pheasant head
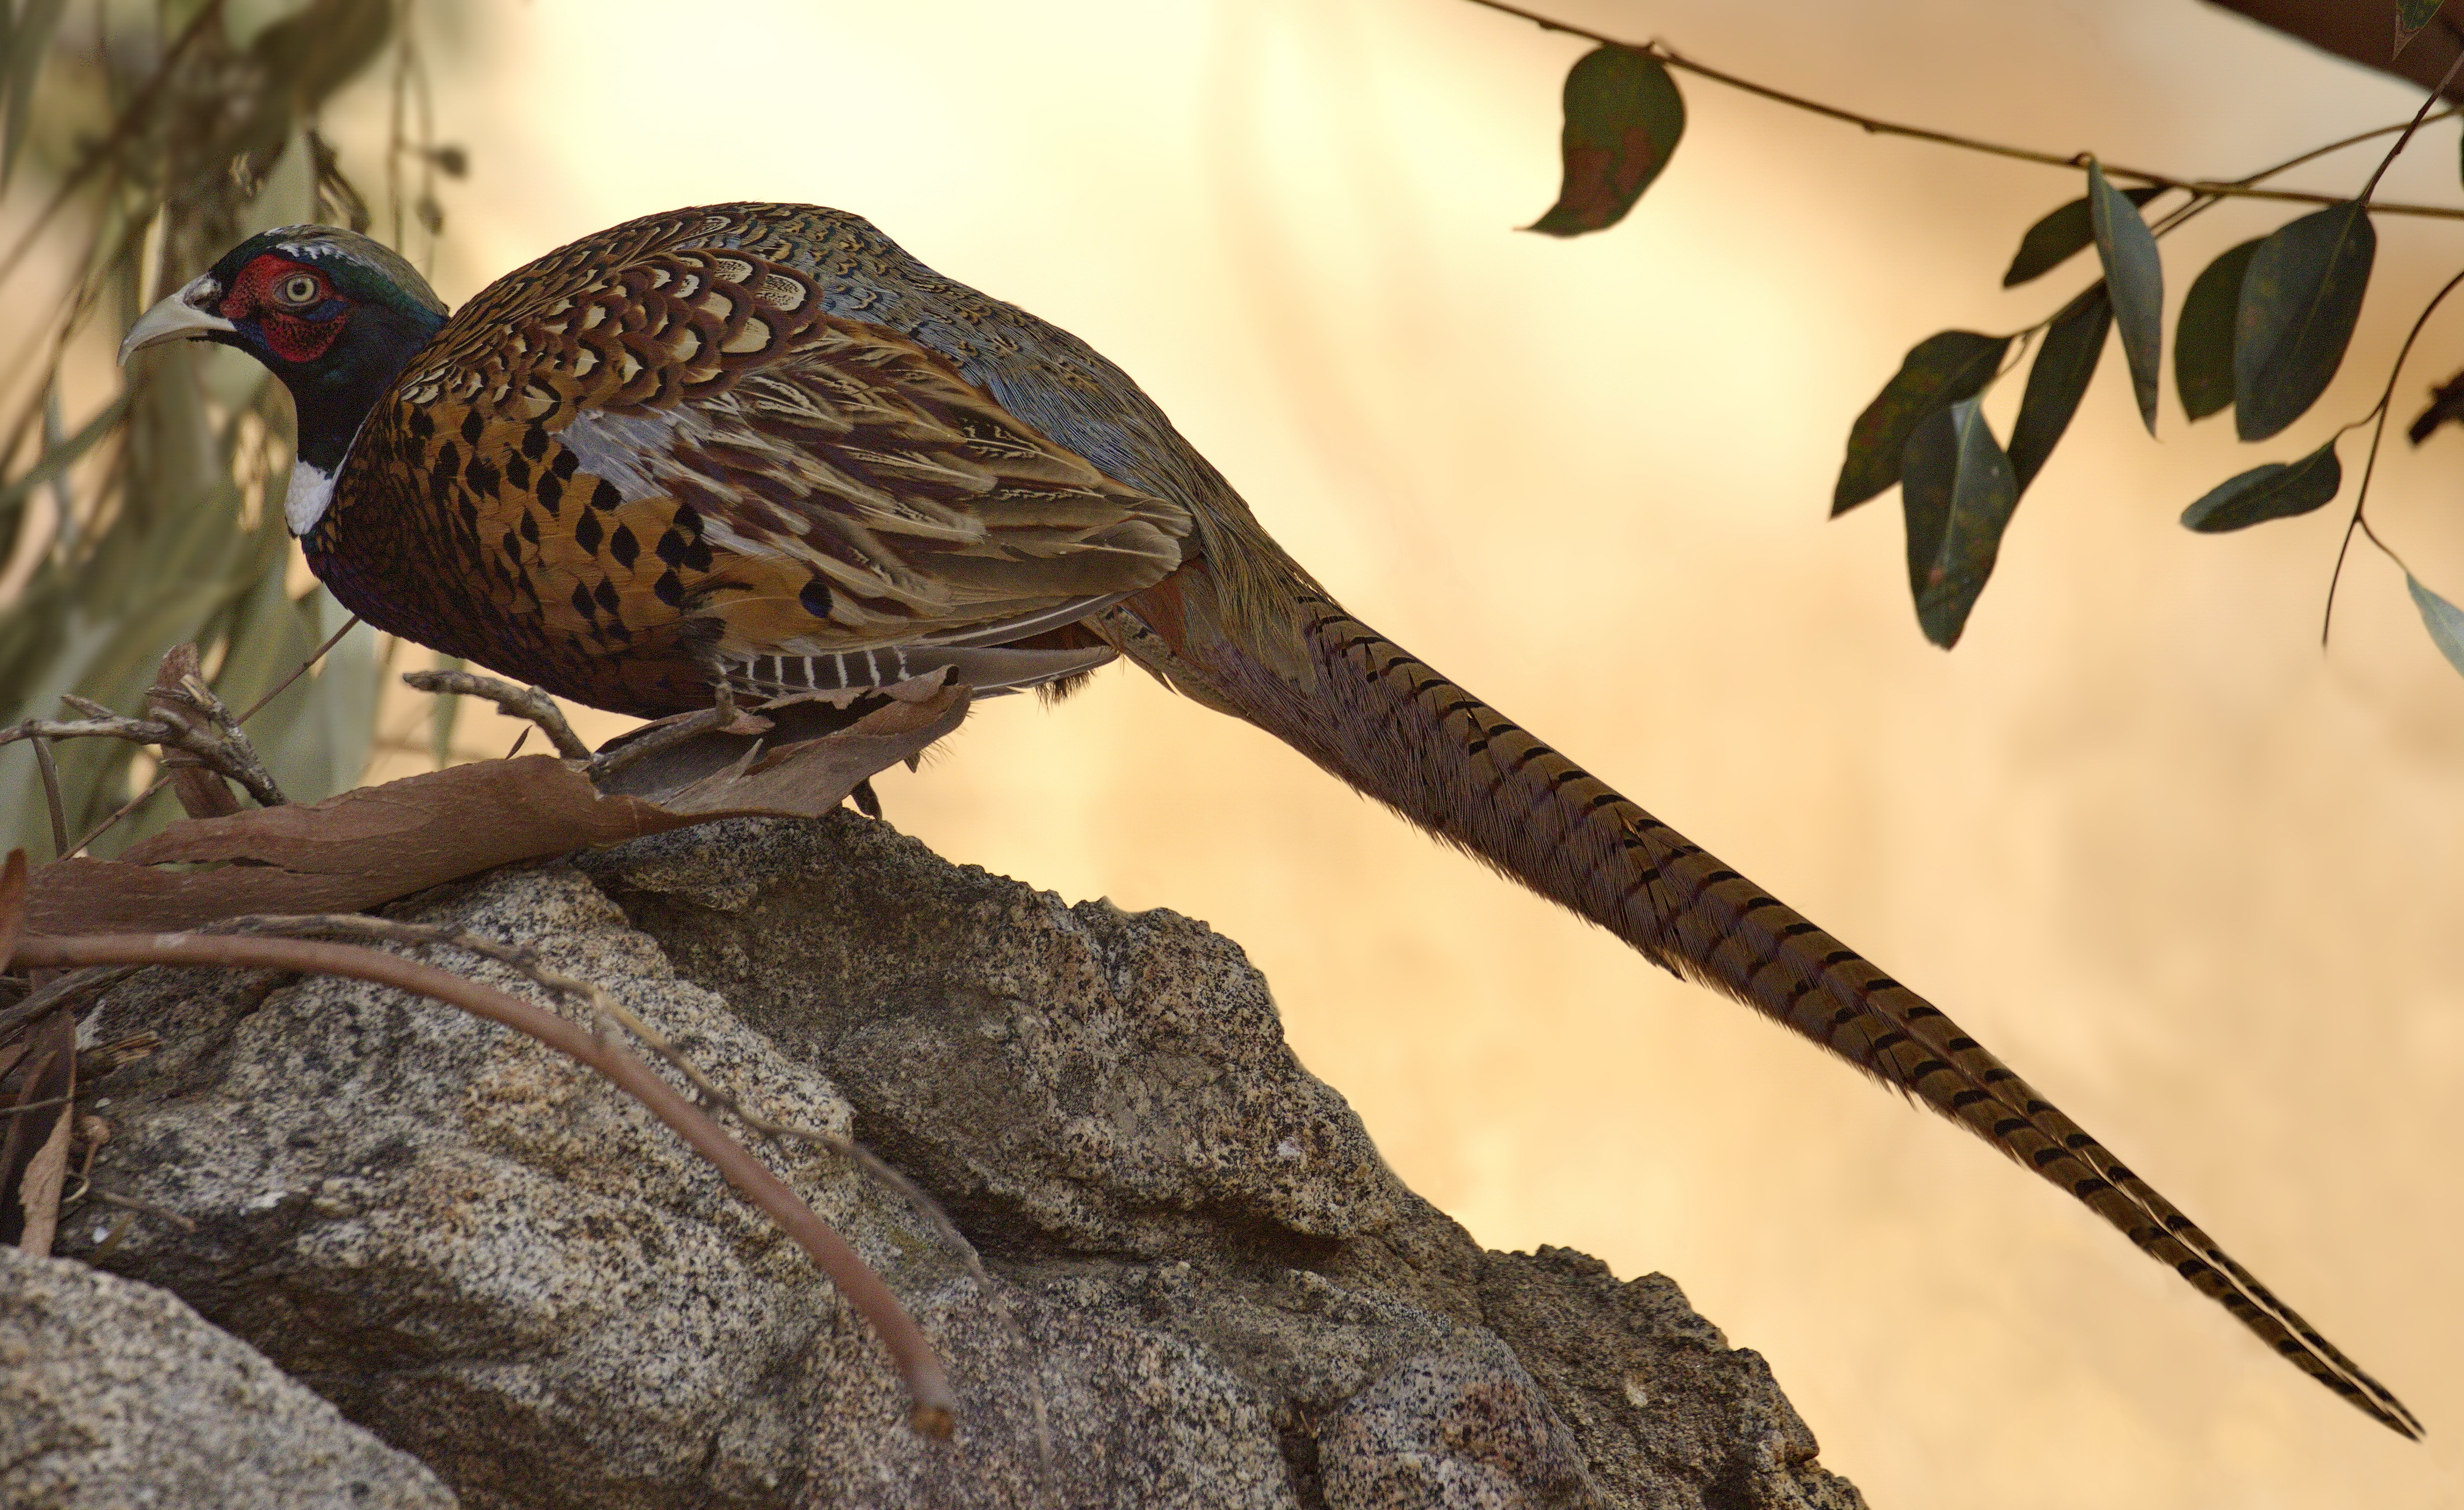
(334,315)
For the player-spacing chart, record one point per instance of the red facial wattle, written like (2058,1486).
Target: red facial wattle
(293,337)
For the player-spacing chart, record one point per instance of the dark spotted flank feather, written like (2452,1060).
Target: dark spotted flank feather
(761,445)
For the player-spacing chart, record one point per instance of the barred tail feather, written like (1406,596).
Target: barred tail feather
(1392,726)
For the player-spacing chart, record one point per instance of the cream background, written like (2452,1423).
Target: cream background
(2194,877)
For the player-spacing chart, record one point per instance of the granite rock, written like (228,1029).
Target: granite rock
(1198,1285)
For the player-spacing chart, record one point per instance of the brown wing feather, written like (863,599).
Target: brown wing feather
(677,459)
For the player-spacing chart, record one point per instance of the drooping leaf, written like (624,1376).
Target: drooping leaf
(2277,490)
(1958,492)
(2057,380)
(2134,273)
(2444,621)
(1938,371)
(2299,302)
(29,41)
(1623,117)
(2063,233)
(2410,17)
(2202,338)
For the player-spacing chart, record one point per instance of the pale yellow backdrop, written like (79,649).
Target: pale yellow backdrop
(2191,874)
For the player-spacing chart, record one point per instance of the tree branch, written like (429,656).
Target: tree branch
(933,1409)
(2243,189)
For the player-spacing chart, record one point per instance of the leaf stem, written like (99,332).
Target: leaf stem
(2245,188)
(2378,433)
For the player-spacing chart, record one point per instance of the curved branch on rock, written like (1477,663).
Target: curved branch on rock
(932,1408)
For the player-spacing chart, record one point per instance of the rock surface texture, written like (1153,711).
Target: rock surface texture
(115,1394)
(1203,1289)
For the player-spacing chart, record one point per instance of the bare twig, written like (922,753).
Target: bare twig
(225,748)
(252,711)
(2243,189)
(2378,433)
(932,1408)
(721,714)
(124,811)
(2414,124)
(130,1203)
(511,701)
(300,670)
(202,791)
(50,767)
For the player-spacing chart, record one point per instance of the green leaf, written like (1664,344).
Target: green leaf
(2058,380)
(64,455)
(2446,625)
(2410,17)
(2061,234)
(1958,492)
(2135,276)
(2299,302)
(1938,371)
(1623,117)
(29,43)
(2277,490)
(2202,338)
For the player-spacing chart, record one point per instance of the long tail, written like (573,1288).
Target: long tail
(1269,647)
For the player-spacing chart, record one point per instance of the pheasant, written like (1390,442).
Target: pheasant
(756,450)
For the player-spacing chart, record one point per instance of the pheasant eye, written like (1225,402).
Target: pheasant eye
(299,291)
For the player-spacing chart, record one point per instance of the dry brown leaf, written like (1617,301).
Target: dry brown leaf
(376,843)
(202,793)
(37,1107)
(12,905)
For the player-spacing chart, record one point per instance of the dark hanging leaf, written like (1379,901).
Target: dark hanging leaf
(2135,276)
(2062,234)
(2058,378)
(2446,402)
(2446,625)
(1958,492)
(1937,372)
(2202,338)
(2277,490)
(2410,17)
(1623,117)
(2299,302)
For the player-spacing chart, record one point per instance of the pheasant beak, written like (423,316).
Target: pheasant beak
(186,315)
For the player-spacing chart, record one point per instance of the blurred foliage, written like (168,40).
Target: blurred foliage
(139,142)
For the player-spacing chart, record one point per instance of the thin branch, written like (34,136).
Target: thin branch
(1875,127)
(721,714)
(50,767)
(2378,432)
(511,701)
(160,782)
(124,810)
(229,753)
(2414,124)
(933,1409)
(130,1203)
(301,670)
